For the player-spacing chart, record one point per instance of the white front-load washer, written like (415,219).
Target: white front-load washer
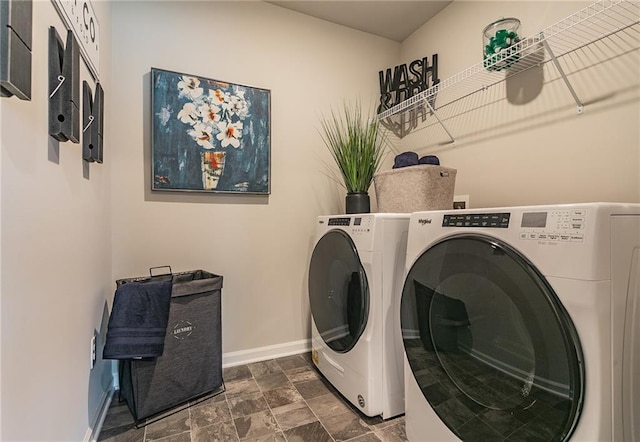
(523,323)
(355,275)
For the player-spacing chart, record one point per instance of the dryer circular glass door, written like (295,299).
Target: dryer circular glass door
(489,343)
(338,291)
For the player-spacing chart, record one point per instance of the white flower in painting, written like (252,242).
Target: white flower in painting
(201,133)
(189,114)
(190,86)
(214,112)
(218,96)
(230,133)
(210,113)
(239,105)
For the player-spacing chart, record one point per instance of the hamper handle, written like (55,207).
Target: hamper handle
(151,269)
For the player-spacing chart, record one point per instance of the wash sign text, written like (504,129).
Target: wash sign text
(403,82)
(406,80)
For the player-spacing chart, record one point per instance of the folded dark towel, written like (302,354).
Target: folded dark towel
(429,159)
(405,159)
(138,320)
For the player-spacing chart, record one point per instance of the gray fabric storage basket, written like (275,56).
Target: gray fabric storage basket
(191,364)
(415,188)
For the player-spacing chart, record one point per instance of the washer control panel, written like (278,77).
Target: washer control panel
(340,221)
(354,224)
(565,225)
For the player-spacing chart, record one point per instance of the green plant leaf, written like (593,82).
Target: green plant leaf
(357,142)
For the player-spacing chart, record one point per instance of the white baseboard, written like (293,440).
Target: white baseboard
(234,358)
(94,430)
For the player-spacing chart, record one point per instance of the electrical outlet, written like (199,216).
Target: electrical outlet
(93,351)
(461,201)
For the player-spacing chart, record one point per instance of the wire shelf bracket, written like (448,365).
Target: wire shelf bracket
(556,63)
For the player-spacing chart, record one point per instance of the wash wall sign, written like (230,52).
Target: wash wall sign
(80,18)
(403,82)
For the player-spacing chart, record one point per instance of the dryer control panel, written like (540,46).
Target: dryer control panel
(491,220)
(564,225)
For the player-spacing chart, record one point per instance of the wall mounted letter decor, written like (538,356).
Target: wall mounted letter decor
(92,123)
(209,135)
(64,88)
(15,48)
(79,17)
(405,82)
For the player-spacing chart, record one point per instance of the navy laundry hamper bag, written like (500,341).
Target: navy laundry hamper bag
(191,364)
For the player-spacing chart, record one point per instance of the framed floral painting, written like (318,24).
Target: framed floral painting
(209,135)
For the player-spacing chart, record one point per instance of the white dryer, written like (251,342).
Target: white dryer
(355,275)
(523,324)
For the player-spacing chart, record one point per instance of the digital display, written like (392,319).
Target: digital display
(357,221)
(534,219)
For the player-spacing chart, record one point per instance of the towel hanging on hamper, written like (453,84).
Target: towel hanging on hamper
(138,320)
(191,366)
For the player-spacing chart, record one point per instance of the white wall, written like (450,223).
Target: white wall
(260,244)
(56,258)
(542,151)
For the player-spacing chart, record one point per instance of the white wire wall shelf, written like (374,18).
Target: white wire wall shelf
(598,21)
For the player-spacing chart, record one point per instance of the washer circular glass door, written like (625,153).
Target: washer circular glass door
(338,291)
(489,343)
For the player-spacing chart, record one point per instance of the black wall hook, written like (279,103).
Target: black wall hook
(64,87)
(15,48)
(92,123)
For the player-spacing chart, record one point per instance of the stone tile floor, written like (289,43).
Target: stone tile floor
(283,399)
